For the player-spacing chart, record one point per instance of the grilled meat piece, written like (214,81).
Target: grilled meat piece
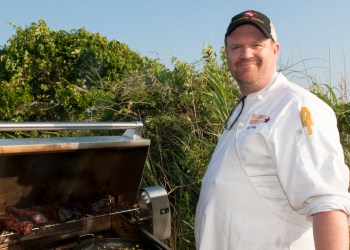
(14,224)
(49,210)
(66,214)
(27,214)
(58,213)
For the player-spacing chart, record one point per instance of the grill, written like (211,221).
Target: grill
(84,189)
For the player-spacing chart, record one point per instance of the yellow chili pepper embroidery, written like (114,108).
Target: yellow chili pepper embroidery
(306,119)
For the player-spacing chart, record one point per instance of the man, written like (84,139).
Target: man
(277,178)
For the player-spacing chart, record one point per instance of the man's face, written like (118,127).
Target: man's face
(251,58)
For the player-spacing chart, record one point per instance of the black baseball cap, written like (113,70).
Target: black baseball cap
(256,18)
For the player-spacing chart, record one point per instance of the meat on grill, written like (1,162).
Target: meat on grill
(58,213)
(14,224)
(27,214)
(22,220)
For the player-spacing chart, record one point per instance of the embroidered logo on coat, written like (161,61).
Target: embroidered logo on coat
(256,120)
(306,120)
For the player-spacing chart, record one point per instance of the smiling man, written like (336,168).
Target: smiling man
(277,178)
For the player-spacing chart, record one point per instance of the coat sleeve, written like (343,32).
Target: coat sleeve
(310,166)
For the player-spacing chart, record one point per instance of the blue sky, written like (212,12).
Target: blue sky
(311,30)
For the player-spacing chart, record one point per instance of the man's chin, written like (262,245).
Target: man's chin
(246,80)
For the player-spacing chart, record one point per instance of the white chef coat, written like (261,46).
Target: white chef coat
(268,176)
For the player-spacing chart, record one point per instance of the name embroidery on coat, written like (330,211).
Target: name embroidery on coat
(256,120)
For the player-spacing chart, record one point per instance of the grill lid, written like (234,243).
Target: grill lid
(37,170)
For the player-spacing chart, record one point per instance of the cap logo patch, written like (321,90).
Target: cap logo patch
(249,14)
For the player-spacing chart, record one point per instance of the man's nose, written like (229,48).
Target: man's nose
(246,52)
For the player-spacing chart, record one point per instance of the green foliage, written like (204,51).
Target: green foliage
(222,90)
(49,71)
(342,111)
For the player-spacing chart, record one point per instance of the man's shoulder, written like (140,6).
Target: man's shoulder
(290,87)
(293,92)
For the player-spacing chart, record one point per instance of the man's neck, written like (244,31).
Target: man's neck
(247,89)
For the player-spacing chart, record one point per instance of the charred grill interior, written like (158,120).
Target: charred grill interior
(59,192)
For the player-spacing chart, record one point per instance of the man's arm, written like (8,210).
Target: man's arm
(331,230)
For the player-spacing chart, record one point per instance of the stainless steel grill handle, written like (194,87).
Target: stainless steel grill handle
(132,128)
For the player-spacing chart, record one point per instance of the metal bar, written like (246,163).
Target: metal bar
(52,126)
(85,217)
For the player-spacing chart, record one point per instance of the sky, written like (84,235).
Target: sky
(313,34)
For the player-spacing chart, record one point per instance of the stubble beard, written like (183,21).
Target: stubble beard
(247,77)
(247,83)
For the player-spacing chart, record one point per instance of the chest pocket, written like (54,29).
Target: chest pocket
(253,150)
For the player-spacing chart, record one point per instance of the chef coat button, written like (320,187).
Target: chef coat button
(241,124)
(259,97)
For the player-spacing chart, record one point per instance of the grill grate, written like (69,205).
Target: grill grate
(101,208)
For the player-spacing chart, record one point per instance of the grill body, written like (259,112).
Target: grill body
(39,171)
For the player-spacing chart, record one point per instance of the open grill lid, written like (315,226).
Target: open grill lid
(37,170)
